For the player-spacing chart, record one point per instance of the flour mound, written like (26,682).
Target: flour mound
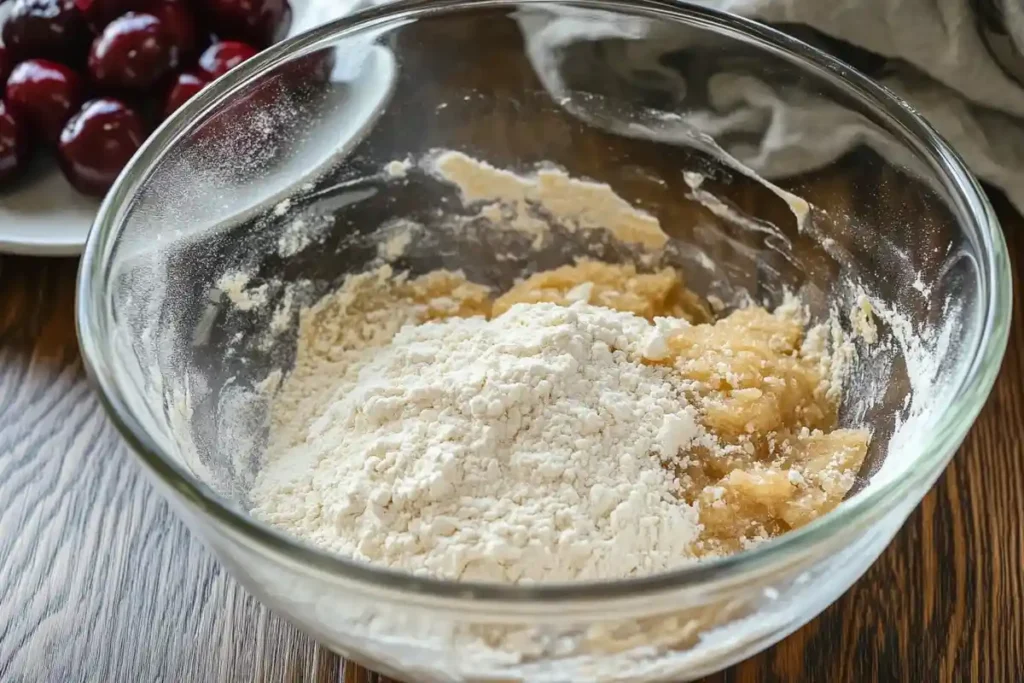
(529,447)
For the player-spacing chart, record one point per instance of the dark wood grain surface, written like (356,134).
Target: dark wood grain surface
(99,582)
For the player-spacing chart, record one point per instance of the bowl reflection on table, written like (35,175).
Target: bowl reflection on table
(893,216)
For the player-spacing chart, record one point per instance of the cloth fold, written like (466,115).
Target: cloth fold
(940,63)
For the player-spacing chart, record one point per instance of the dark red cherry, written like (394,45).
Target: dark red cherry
(257,22)
(220,58)
(97,143)
(180,24)
(44,95)
(184,88)
(134,51)
(14,145)
(45,29)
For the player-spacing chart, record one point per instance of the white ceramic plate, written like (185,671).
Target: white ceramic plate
(45,217)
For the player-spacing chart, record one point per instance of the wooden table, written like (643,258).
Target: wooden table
(99,582)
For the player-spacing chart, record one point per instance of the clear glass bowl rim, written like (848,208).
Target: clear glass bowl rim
(976,375)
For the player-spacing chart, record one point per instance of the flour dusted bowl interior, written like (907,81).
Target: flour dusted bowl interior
(319,160)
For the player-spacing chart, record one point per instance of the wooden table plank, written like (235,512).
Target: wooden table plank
(100,582)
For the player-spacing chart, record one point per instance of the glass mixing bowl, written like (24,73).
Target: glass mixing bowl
(714,125)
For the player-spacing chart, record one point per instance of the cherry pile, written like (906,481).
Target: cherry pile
(89,79)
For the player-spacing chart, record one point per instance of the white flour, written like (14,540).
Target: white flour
(235,286)
(524,448)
